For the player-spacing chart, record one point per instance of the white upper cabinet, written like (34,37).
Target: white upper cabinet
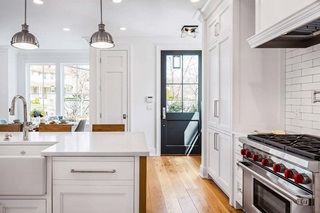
(270,12)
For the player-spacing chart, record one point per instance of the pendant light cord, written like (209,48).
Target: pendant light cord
(25,12)
(101,10)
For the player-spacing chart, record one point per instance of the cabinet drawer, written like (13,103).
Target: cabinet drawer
(92,168)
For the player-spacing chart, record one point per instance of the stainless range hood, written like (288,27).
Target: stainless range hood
(304,36)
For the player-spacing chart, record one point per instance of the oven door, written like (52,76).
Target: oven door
(264,192)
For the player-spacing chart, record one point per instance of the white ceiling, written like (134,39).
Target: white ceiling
(142,18)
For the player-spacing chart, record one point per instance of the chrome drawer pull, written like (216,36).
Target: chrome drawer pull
(86,171)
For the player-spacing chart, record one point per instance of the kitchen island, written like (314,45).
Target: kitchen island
(91,172)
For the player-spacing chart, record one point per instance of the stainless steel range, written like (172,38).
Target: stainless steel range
(281,173)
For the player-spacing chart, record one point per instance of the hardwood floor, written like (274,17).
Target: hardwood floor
(174,186)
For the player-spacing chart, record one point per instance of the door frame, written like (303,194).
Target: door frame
(160,48)
(96,87)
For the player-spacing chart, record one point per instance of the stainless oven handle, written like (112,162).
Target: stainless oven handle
(301,201)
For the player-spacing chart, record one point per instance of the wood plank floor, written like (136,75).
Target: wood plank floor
(174,186)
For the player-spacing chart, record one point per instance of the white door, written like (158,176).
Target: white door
(214,84)
(213,164)
(114,87)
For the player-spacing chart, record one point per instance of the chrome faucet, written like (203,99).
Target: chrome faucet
(26,125)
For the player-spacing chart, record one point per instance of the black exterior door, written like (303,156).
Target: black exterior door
(180,102)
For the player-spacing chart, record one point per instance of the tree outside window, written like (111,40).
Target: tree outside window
(76,92)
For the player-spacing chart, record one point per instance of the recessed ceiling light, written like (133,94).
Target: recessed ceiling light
(38,1)
(194,0)
(117,1)
(66,29)
(123,28)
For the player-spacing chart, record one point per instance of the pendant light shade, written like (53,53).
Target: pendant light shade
(101,38)
(24,39)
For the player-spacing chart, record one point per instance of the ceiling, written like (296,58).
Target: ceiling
(142,18)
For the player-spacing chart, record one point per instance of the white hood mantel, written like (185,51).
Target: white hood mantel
(276,36)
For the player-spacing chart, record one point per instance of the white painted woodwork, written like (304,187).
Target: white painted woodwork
(114,92)
(23,206)
(93,192)
(248,84)
(270,12)
(238,172)
(220,157)
(287,16)
(84,198)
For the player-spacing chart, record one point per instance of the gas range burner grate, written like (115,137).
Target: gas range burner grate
(305,145)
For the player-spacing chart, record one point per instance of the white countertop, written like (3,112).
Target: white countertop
(85,143)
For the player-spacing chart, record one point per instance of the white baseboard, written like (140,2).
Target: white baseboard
(203,172)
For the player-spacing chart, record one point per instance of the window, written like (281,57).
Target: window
(76,91)
(60,89)
(42,89)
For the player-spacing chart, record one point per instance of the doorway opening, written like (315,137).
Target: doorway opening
(181,102)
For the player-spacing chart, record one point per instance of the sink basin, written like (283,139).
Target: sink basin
(23,169)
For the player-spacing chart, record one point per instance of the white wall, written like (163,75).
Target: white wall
(302,78)
(8,80)
(144,69)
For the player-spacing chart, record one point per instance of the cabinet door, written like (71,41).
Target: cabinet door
(87,198)
(225,55)
(225,151)
(213,163)
(213,84)
(22,206)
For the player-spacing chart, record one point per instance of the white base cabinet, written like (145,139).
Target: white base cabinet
(93,184)
(219,165)
(23,206)
(81,198)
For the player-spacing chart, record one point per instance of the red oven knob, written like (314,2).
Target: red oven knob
(248,154)
(301,178)
(266,162)
(289,173)
(243,151)
(256,157)
(278,167)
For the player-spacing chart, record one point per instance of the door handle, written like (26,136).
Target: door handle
(215,105)
(164,115)
(124,116)
(215,138)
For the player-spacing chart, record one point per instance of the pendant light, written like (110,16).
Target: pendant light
(24,39)
(101,38)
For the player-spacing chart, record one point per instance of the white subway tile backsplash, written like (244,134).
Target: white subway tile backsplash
(316,62)
(316,109)
(310,71)
(290,115)
(310,131)
(301,94)
(293,129)
(293,101)
(301,51)
(303,65)
(316,78)
(316,125)
(307,109)
(306,102)
(302,78)
(293,74)
(288,81)
(311,55)
(294,60)
(315,47)
(310,86)
(289,68)
(301,123)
